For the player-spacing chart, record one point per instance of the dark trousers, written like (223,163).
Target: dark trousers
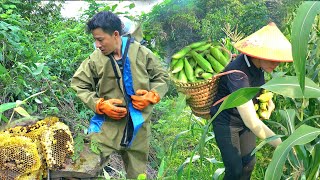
(236,145)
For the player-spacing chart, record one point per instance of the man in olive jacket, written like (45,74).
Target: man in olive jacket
(121,90)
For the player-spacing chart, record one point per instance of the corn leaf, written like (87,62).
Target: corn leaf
(181,104)
(302,135)
(176,140)
(303,155)
(187,161)
(237,98)
(300,36)
(288,115)
(288,86)
(315,162)
(162,167)
(265,141)
(278,126)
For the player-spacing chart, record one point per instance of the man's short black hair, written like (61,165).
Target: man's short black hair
(107,21)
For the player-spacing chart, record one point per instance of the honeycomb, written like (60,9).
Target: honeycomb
(34,131)
(18,155)
(26,152)
(57,144)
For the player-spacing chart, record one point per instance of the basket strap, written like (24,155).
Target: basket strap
(222,74)
(220,100)
(229,72)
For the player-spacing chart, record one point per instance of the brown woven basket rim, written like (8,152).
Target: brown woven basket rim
(201,112)
(196,84)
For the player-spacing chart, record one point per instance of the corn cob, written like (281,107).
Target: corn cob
(178,66)
(206,75)
(189,71)
(173,62)
(265,97)
(197,44)
(216,53)
(181,53)
(182,77)
(198,71)
(214,63)
(264,106)
(203,63)
(203,48)
(176,75)
(263,114)
(192,62)
(226,54)
(203,53)
(256,107)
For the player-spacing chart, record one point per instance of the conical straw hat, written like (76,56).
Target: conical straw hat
(268,43)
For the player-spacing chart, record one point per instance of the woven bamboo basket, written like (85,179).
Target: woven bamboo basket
(200,94)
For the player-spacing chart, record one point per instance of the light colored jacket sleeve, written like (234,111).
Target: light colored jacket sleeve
(157,74)
(250,119)
(83,82)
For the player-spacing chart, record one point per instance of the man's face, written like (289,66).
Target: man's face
(105,42)
(268,66)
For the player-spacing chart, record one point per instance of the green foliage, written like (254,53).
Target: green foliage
(94,146)
(301,136)
(305,18)
(95,7)
(40,51)
(279,11)
(175,23)
(303,142)
(175,140)
(17,109)
(287,86)
(12,35)
(78,146)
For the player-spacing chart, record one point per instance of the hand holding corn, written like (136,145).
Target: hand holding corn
(265,106)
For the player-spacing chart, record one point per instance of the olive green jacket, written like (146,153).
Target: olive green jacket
(95,78)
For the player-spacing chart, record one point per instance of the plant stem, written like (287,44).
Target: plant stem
(302,107)
(10,118)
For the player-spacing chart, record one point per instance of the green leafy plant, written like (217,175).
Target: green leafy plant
(17,108)
(304,141)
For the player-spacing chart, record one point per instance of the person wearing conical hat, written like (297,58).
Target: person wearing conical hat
(236,129)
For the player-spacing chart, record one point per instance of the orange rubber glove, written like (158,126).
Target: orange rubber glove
(143,98)
(108,107)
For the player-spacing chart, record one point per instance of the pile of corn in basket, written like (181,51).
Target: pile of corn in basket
(195,70)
